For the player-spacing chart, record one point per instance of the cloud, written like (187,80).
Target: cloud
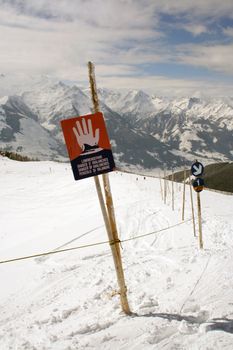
(117,12)
(59,37)
(196,29)
(212,57)
(195,9)
(228,31)
(164,86)
(104,34)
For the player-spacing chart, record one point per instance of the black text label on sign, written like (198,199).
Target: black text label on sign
(91,165)
(197,169)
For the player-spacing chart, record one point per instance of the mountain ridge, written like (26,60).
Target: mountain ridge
(145,130)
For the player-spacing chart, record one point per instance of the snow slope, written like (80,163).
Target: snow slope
(181,297)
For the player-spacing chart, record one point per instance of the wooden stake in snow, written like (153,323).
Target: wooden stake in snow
(199,220)
(109,215)
(172,189)
(165,186)
(183,206)
(161,188)
(192,206)
(168,187)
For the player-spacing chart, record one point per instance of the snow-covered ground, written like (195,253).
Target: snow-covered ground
(181,297)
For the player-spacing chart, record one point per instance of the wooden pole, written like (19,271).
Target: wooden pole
(183,206)
(165,186)
(94,95)
(109,219)
(119,266)
(161,187)
(172,189)
(192,206)
(168,187)
(199,220)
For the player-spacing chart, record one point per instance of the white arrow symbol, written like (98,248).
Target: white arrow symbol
(198,170)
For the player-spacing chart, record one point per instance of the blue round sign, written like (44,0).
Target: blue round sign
(197,169)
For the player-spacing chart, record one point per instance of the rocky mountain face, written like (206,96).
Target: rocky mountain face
(145,131)
(191,127)
(20,131)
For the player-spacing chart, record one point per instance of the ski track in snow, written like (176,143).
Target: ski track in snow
(181,297)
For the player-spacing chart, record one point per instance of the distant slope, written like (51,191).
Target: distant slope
(219,176)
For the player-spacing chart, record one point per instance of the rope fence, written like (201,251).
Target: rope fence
(90,245)
(178,182)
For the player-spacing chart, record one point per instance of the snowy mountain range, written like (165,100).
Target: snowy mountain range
(145,131)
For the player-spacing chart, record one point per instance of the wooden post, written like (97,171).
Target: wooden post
(168,187)
(172,189)
(161,187)
(183,206)
(199,220)
(165,186)
(192,206)
(109,216)
(119,267)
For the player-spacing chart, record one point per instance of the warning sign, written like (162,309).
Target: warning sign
(88,145)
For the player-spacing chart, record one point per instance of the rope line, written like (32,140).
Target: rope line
(152,233)
(176,181)
(195,286)
(112,242)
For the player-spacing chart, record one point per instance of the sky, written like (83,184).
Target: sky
(164,47)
